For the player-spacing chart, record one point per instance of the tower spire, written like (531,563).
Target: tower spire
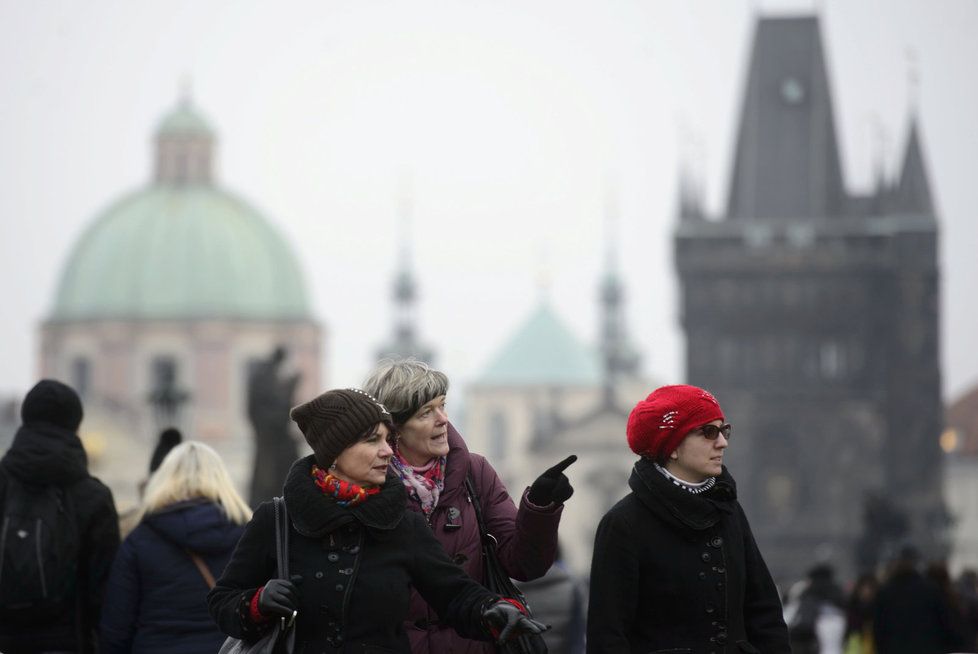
(404,292)
(618,358)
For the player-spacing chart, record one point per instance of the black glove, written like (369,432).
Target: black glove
(280,597)
(507,622)
(552,486)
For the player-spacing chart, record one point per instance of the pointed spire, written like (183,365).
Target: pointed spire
(404,292)
(618,358)
(912,193)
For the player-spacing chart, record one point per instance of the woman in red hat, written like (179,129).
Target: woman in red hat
(675,565)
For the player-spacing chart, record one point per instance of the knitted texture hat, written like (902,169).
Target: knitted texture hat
(336,419)
(660,422)
(169,438)
(52,402)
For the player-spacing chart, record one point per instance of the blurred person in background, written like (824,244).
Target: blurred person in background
(912,615)
(558,599)
(814,613)
(967,586)
(188,523)
(675,566)
(432,460)
(167,440)
(60,530)
(859,615)
(937,572)
(354,551)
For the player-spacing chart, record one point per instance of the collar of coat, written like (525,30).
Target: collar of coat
(315,514)
(456,467)
(680,507)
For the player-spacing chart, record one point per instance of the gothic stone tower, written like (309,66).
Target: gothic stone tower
(812,314)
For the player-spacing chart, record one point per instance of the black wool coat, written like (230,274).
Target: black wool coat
(680,573)
(357,566)
(49,455)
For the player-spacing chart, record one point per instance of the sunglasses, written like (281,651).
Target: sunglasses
(711,432)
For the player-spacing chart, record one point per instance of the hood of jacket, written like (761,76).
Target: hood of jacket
(198,525)
(46,454)
(679,507)
(315,514)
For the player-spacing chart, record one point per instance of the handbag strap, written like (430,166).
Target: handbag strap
(477,505)
(202,567)
(281,538)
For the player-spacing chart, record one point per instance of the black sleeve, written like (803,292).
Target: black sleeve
(615,586)
(251,565)
(457,598)
(763,613)
(100,541)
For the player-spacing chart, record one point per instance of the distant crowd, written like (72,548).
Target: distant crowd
(393,537)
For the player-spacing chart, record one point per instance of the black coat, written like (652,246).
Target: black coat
(912,617)
(680,573)
(49,455)
(156,599)
(357,567)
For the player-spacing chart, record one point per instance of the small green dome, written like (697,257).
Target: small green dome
(183,120)
(181,251)
(543,352)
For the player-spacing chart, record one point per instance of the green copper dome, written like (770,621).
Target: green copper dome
(543,352)
(176,251)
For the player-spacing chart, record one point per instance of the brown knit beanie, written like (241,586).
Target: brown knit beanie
(336,419)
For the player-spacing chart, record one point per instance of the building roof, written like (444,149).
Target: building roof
(912,194)
(543,352)
(178,252)
(184,120)
(786,162)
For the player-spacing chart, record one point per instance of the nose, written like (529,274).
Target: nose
(386,451)
(442,415)
(721,442)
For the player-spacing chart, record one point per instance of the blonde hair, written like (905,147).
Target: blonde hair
(193,470)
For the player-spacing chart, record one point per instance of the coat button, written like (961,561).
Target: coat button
(721,569)
(319,574)
(722,637)
(333,557)
(702,575)
(339,587)
(705,557)
(710,608)
(719,585)
(716,542)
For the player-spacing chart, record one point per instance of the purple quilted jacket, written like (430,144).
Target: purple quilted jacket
(527,541)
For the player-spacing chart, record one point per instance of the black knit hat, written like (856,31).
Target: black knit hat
(169,438)
(52,402)
(336,419)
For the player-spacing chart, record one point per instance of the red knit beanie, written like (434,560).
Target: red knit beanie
(660,422)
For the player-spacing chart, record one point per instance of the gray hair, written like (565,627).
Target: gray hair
(404,386)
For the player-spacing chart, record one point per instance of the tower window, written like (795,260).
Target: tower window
(81,376)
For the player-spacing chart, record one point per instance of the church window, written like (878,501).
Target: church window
(81,376)
(498,436)
(163,372)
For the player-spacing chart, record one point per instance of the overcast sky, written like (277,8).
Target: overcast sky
(512,118)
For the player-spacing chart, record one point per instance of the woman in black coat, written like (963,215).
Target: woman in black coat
(156,598)
(675,565)
(353,549)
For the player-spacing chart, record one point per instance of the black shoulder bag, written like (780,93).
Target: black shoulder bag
(281,638)
(497,581)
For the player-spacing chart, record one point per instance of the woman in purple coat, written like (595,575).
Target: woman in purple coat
(432,460)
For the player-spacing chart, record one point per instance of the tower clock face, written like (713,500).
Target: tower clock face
(792,90)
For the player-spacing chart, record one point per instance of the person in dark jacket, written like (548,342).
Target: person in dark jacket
(675,566)
(191,516)
(354,550)
(433,461)
(47,456)
(911,616)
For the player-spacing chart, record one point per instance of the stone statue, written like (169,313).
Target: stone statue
(269,401)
